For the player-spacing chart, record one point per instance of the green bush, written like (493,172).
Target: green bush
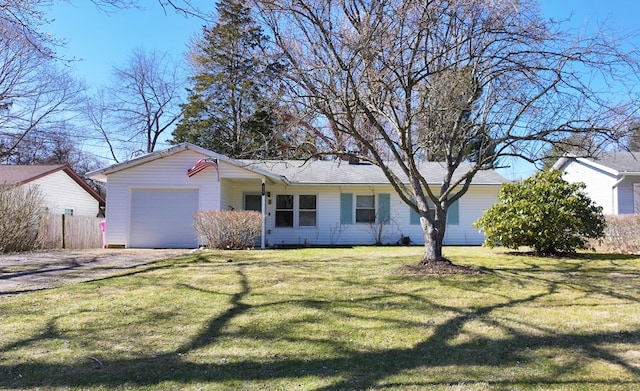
(545,213)
(229,229)
(20,211)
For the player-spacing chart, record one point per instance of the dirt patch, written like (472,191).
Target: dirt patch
(25,272)
(442,268)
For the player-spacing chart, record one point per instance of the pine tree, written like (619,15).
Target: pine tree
(230,108)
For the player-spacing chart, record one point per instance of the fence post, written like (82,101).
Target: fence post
(63,233)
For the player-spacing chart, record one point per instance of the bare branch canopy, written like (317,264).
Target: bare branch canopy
(468,83)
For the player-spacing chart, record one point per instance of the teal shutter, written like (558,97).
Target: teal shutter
(346,208)
(414,218)
(384,208)
(453,214)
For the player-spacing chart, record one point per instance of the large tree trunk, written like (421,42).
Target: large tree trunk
(433,241)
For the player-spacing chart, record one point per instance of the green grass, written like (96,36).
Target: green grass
(339,319)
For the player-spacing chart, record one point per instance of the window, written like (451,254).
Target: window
(303,206)
(284,210)
(307,211)
(452,214)
(365,209)
(253,202)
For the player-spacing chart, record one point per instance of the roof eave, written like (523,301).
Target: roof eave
(101,174)
(327,184)
(560,164)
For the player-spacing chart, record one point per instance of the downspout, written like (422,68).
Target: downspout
(264,216)
(614,199)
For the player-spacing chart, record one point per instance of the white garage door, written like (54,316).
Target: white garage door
(163,218)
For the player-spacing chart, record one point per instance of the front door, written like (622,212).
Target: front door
(253,202)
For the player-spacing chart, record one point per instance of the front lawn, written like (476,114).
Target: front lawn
(333,319)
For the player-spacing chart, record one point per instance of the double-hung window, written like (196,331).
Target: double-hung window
(365,209)
(368,208)
(300,210)
(307,210)
(284,210)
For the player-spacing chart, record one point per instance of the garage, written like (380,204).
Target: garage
(163,218)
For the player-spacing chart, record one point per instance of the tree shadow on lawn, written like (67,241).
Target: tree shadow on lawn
(353,369)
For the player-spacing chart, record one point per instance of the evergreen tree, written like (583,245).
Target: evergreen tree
(229,109)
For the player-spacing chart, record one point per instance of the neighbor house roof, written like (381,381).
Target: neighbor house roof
(617,163)
(620,161)
(16,175)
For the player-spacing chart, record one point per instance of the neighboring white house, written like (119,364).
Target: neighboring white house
(151,200)
(63,190)
(612,179)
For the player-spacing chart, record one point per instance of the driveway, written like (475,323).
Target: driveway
(25,272)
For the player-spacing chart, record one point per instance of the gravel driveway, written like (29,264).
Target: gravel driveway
(27,272)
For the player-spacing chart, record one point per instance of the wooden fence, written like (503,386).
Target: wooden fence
(73,232)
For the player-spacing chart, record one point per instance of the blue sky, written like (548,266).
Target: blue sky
(100,41)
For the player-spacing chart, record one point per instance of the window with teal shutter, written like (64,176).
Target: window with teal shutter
(384,208)
(366,209)
(346,208)
(414,218)
(453,214)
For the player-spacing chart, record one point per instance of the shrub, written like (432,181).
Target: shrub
(620,235)
(20,210)
(544,212)
(229,229)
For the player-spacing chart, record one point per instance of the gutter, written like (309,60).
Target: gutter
(614,200)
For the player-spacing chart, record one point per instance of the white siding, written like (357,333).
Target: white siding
(329,231)
(226,195)
(599,184)
(168,172)
(230,171)
(226,188)
(61,192)
(625,193)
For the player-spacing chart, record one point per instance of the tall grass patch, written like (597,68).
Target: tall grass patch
(330,319)
(621,235)
(20,209)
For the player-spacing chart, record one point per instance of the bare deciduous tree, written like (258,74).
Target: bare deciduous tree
(407,80)
(140,106)
(35,95)
(26,17)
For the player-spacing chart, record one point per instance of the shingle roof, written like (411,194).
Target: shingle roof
(21,174)
(341,172)
(320,172)
(620,161)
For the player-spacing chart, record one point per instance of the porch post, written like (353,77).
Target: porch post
(264,217)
